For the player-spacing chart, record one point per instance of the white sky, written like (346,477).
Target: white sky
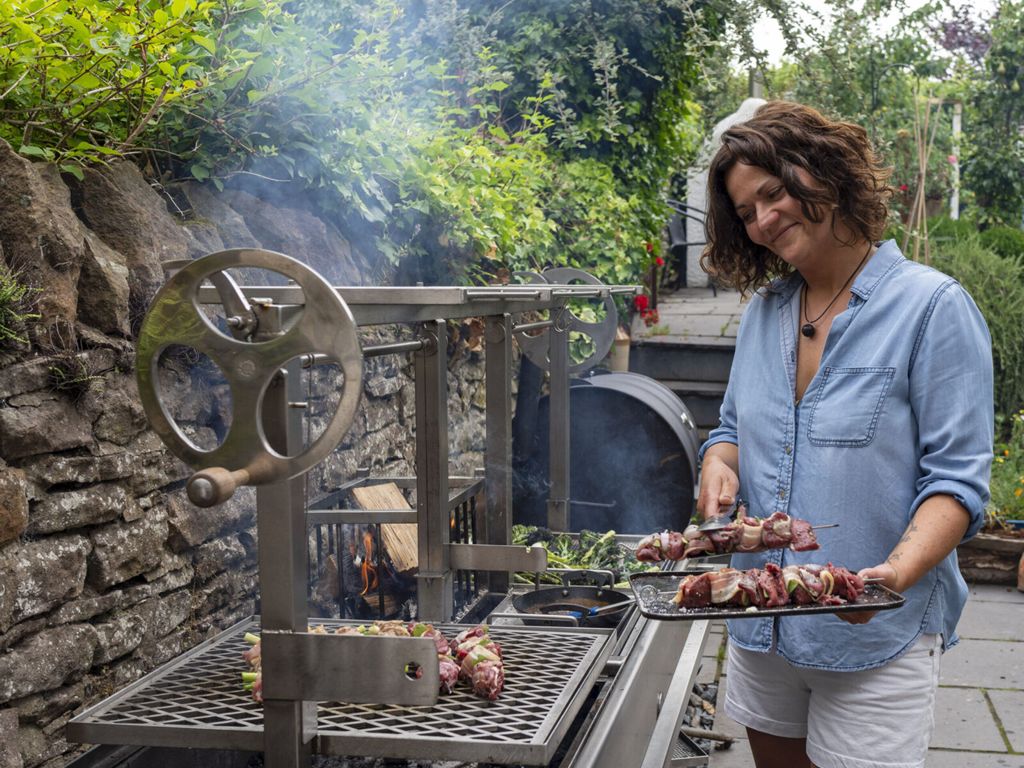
(769,38)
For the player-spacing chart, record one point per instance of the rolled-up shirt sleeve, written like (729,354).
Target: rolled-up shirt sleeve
(951,396)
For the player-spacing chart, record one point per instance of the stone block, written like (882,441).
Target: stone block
(44,708)
(161,615)
(42,235)
(122,551)
(217,556)
(103,288)
(38,575)
(117,411)
(29,376)
(153,653)
(91,505)
(191,525)
(47,661)
(118,637)
(13,504)
(86,607)
(28,429)
(299,234)
(118,204)
(231,230)
(10,755)
(382,376)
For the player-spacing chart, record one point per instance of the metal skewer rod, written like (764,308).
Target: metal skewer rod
(824,525)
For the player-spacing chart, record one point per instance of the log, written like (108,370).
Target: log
(399,539)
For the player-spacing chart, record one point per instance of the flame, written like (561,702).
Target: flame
(369,573)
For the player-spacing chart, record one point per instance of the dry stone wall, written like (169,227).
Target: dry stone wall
(106,570)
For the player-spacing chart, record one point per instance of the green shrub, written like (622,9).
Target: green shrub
(997,286)
(440,134)
(1006,241)
(1007,485)
(944,228)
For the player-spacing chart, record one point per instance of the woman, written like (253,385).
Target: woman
(860,394)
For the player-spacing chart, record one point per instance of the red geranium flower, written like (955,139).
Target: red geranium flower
(659,261)
(904,188)
(649,246)
(641,302)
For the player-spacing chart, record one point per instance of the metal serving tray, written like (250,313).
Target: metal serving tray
(654,593)
(198,701)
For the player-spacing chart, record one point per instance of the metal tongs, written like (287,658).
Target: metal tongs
(723,519)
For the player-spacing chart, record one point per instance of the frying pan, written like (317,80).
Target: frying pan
(590,606)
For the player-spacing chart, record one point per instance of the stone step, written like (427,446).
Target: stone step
(681,361)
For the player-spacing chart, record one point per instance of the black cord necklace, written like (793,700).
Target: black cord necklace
(808,329)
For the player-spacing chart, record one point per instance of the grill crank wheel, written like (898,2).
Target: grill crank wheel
(602,333)
(324,331)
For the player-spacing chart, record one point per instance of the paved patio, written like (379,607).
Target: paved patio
(694,315)
(979,716)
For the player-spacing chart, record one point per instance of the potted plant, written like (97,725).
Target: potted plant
(995,554)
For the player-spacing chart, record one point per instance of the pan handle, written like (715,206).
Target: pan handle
(573,574)
(612,607)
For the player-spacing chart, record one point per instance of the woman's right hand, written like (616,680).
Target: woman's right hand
(719,480)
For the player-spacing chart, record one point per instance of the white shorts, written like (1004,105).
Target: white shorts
(877,717)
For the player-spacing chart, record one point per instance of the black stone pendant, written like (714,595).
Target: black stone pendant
(807,330)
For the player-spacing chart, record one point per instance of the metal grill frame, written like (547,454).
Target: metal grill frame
(198,700)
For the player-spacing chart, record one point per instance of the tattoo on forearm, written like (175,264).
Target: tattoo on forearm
(893,557)
(910,530)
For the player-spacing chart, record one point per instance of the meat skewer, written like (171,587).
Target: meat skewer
(747,534)
(480,661)
(770,587)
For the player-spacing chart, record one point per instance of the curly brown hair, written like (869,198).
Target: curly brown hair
(782,136)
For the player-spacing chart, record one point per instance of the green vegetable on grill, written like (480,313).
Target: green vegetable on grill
(588,549)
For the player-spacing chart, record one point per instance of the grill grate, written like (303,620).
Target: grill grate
(198,701)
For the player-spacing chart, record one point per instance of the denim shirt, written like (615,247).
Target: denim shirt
(900,409)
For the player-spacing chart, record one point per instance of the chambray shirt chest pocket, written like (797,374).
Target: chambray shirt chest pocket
(847,404)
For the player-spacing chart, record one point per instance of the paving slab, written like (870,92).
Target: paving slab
(938,758)
(984,664)
(738,755)
(991,620)
(1009,706)
(963,721)
(995,593)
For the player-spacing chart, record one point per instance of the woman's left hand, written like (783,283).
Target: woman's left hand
(890,578)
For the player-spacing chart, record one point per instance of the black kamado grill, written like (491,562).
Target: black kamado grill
(574,695)
(633,459)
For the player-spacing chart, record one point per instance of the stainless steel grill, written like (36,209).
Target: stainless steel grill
(198,700)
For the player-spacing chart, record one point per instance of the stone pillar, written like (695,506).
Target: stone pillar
(697,191)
